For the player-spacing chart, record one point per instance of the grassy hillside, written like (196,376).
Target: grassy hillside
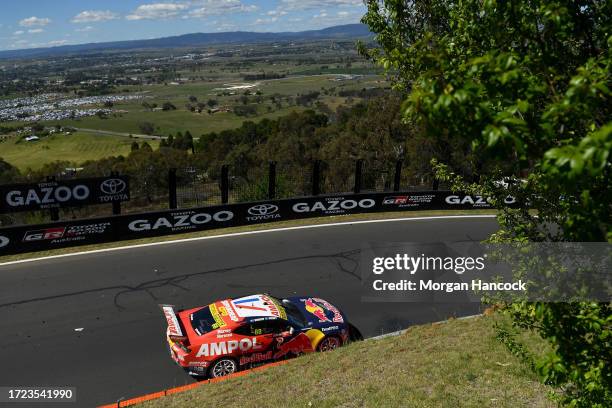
(78,148)
(459,364)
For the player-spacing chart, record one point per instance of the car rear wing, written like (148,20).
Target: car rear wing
(174,327)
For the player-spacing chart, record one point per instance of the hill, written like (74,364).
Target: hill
(193,40)
(459,364)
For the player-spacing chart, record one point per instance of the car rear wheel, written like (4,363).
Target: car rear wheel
(329,344)
(223,367)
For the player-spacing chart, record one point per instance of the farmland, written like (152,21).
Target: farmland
(162,93)
(77,148)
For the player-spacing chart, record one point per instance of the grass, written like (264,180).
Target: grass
(171,122)
(458,364)
(77,148)
(259,227)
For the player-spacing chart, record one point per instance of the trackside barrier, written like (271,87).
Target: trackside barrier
(30,238)
(182,388)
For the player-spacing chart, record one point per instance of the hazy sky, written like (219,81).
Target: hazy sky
(45,23)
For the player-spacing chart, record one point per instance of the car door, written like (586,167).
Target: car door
(266,334)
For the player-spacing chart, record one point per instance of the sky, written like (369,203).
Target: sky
(48,23)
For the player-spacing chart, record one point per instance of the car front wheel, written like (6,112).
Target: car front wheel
(223,367)
(329,344)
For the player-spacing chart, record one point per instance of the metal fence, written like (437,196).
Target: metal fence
(197,187)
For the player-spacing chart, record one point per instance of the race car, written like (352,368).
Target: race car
(229,335)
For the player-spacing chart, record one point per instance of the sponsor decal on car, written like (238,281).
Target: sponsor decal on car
(337,315)
(297,345)
(330,328)
(4,241)
(219,322)
(318,306)
(180,221)
(256,358)
(173,325)
(227,347)
(258,306)
(315,309)
(334,205)
(262,212)
(275,309)
(229,309)
(198,364)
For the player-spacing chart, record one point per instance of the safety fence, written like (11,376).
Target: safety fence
(30,238)
(154,189)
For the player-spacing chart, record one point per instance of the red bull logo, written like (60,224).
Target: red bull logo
(316,310)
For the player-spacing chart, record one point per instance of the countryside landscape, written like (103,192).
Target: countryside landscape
(148,95)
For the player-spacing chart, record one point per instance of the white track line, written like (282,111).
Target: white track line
(237,234)
(400,332)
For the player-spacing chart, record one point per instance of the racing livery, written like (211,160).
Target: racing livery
(228,335)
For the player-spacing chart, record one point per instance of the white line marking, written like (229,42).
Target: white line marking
(400,332)
(238,234)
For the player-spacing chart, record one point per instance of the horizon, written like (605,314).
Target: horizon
(33,24)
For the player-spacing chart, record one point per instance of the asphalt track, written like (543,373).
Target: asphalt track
(113,296)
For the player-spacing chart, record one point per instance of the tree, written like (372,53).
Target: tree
(212,103)
(8,173)
(146,147)
(146,128)
(167,106)
(527,86)
(134,146)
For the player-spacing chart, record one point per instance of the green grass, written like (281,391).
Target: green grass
(458,364)
(171,122)
(77,148)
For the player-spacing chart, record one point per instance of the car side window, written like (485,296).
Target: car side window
(244,330)
(262,327)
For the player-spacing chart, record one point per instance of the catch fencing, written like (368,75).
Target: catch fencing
(198,200)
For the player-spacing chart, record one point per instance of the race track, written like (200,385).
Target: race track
(113,297)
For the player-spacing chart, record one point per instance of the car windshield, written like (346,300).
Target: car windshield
(294,316)
(202,321)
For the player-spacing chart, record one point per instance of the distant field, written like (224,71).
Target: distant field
(77,148)
(172,122)
(181,119)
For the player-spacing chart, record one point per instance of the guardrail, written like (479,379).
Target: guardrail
(30,238)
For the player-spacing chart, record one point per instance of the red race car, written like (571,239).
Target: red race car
(228,335)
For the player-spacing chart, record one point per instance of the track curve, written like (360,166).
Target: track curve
(91,321)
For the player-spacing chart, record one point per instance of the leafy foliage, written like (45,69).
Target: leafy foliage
(527,85)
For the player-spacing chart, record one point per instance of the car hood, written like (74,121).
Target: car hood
(318,312)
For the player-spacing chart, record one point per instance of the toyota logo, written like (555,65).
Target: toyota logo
(112,186)
(4,241)
(263,209)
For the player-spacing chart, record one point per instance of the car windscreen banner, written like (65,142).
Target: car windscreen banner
(135,226)
(63,193)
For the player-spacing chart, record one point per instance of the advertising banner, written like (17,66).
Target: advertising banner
(134,226)
(63,193)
